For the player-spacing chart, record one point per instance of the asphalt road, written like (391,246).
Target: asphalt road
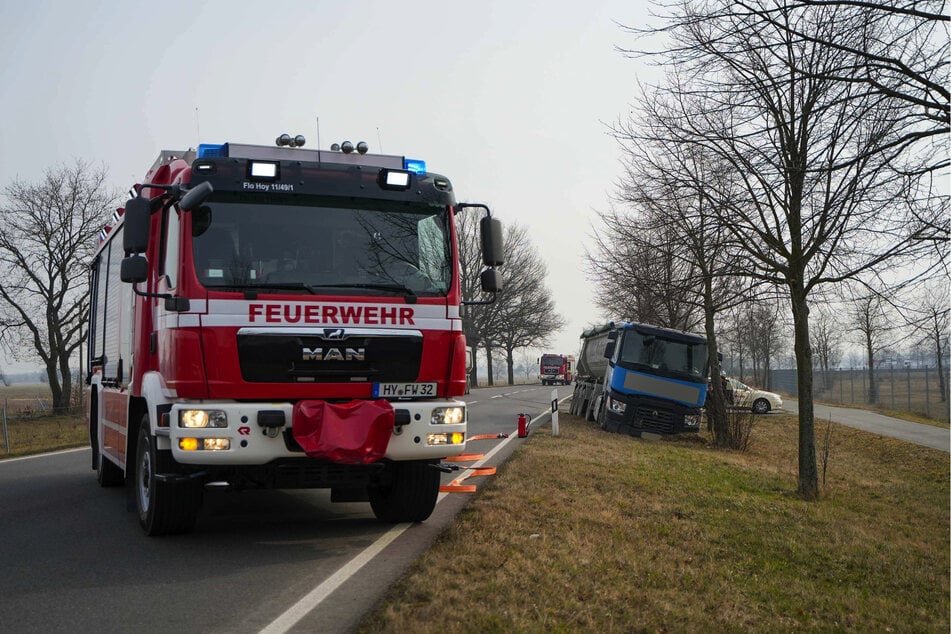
(924,435)
(73,558)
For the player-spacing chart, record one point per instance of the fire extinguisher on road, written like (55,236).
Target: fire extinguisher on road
(522,425)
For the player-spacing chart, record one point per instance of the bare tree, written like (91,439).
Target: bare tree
(827,336)
(526,311)
(819,181)
(640,273)
(47,234)
(523,312)
(765,331)
(870,322)
(479,321)
(932,324)
(902,52)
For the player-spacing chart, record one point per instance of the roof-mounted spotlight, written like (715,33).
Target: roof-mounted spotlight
(346,147)
(335,147)
(362,147)
(289,141)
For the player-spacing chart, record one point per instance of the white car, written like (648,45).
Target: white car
(759,401)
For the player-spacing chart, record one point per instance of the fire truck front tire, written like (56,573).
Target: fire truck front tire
(408,493)
(163,507)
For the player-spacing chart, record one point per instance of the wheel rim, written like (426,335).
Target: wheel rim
(760,407)
(145,479)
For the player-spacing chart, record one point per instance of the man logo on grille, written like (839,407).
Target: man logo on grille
(334,354)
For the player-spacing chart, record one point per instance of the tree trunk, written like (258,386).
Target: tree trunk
(56,388)
(510,359)
(717,419)
(66,381)
(872,386)
(808,471)
(488,365)
(474,373)
(942,386)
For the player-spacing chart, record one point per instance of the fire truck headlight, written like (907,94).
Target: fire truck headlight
(188,444)
(448,415)
(197,418)
(455,438)
(207,444)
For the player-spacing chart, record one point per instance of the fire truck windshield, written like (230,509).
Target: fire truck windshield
(319,244)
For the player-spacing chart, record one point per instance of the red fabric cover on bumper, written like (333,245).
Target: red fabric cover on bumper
(357,432)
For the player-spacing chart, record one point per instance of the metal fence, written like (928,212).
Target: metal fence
(900,389)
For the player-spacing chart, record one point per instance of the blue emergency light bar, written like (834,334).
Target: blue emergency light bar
(415,166)
(213,150)
(274,154)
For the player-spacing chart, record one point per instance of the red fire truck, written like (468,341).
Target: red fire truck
(282,318)
(556,368)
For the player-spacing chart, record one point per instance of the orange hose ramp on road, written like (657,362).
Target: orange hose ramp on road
(456,485)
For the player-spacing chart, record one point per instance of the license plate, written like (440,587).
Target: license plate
(403,390)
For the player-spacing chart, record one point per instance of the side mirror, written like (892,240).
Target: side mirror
(135,231)
(196,196)
(491,281)
(612,336)
(491,233)
(134,269)
(609,349)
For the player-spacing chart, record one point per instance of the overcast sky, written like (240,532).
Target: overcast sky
(509,99)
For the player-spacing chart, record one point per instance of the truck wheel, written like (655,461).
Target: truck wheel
(602,417)
(761,406)
(409,495)
(163,507)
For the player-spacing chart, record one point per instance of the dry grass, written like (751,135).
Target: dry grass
(42,434)
(30,429)
(600,532)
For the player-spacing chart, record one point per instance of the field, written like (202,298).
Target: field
(27,427)
(592,531)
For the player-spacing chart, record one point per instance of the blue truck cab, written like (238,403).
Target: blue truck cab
(655,380)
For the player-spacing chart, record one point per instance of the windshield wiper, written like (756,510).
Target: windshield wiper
(313,288)
(293,286)
(394,288)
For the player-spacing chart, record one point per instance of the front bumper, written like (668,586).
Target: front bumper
(251,443)
(644,414)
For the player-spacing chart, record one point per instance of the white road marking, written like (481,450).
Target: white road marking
(299,610)
(315,597)
(43,455)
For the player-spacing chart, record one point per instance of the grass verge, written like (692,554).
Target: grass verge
(600,532)
(42,434)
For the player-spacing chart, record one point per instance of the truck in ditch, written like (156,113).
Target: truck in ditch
(634,378)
